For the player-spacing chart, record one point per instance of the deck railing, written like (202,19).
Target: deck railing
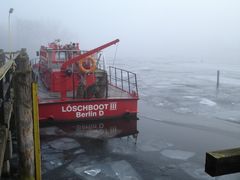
(123,79)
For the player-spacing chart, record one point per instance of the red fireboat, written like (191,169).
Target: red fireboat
(76,88)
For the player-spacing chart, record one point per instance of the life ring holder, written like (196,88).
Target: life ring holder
(92,62)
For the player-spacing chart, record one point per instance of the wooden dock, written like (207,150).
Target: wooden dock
(18,114)
(6,108)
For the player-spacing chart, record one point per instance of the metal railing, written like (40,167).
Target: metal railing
(123,79)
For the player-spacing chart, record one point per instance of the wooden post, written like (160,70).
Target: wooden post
(23,115)
(36,132)
(223,162)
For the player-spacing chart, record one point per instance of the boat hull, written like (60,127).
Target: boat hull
(101,118)
(69,110)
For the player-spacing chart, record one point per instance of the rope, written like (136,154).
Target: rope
(115,54)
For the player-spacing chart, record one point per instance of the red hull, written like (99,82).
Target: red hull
(98,118)
(86,109)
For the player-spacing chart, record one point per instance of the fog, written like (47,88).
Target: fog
(205,30)
(176,48)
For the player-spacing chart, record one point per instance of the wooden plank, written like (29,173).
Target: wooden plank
(8,108)
(2,57)
(1,102)
(36,132)
(3,142)
(4,69)
(13,54)
(223,162)
(9,148)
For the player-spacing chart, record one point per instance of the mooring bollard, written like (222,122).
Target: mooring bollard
(218,75)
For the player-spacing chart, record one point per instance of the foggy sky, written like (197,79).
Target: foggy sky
(201,29)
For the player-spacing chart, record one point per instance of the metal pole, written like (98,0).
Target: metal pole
(122,78)
(9,44)
(218,75)
(9,32)
(129,88)
(136,84)
(110,75)
(115,77)
(73,84)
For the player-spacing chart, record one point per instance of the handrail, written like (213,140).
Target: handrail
(129,84)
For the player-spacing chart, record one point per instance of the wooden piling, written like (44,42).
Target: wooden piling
(23,115)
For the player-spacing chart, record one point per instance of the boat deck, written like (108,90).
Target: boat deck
(113,92)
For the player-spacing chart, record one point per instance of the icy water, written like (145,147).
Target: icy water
(189,87)
(182,116)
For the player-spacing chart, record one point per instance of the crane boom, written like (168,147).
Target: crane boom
(82,56)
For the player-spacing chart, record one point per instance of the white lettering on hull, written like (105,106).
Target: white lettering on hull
(85,115)
(90,110)
(90,107)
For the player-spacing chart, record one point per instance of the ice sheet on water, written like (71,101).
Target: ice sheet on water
(177,154)
(230,177)
(195,170)
(153,145)
(51,131)
(99,171)
(79,151)
(229,115)
(80,161)
(122,146)
(124,171)
(128,147)
(207,102)
(52,158)
(121,170)
(190,97)
(64,144)
(92,172)
(160,104)
(52,161)
(183,110)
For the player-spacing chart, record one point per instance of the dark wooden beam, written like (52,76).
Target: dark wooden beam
(3,142)
(223,162)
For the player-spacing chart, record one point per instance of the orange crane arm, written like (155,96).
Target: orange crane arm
(82,56)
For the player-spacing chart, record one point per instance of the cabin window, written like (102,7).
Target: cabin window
(60,56)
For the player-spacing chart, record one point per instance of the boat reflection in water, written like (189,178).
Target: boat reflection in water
(102,129)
